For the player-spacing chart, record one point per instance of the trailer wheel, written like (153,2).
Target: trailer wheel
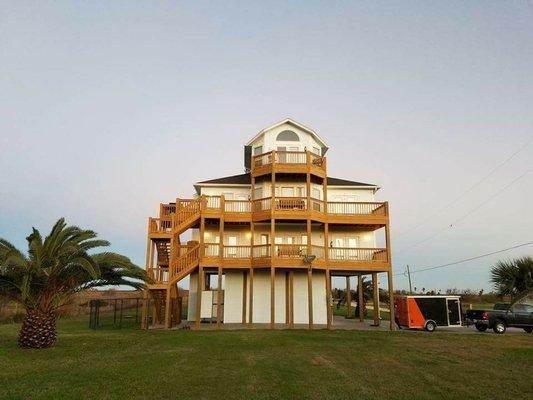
(528,329)
(481,327)
(430,326)
(499,327)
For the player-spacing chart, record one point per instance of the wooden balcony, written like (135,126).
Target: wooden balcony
(374,214)
(289,162)
(292,255)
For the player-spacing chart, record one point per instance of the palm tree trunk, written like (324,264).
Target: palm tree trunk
(38,329)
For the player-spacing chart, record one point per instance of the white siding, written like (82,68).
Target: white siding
(233,297)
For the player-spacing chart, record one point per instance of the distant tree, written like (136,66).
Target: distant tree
(513,278)
(53,270)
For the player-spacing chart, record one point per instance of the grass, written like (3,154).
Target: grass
(260,364)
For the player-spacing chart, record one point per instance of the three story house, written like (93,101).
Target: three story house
(271,238)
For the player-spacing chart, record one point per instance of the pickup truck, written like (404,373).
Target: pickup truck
(501,317)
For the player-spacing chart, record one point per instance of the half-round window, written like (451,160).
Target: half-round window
(288,136)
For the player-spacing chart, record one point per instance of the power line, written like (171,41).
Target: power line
(456,221)
(467,259)
(463,194)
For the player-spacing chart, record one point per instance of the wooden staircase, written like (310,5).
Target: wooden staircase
(188,212)
(184,264)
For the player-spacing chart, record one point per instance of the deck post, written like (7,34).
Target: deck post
(328,297)
(375,292)
(291,299)
(168,308)
(392,325)
(219,297)
(310,295)
(348,298)
(244,296)
(200,288)
(251,307)
(272,268)
(360,299)
(144,311)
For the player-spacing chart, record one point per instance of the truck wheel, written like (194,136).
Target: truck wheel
(529,329)
(499,328)
(481,327)
(430,326)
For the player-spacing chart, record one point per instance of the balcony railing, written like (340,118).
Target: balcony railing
(172,215)
(296,251)
(237,206)
(289,157)
(160,225)
(357,254)
(356,208)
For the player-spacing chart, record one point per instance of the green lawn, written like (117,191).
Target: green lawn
(260,364)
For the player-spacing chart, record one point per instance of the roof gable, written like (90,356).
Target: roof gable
(290,122)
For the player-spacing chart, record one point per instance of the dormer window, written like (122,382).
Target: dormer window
(287,136)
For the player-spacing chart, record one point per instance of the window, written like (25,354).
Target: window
(287,136)
(258,150)
(316,150)
(228,196)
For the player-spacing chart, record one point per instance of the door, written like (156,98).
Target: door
(521,315)
(454,312)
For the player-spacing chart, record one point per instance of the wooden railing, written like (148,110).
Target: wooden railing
(243,251)
(357,208)
(290,203)
(212,202)
(290,250)
(212,249)
(158,225)
(318,251)
(159,274)
(174,215)
(357,254)
(261,251)
(237,206)
(289,157)
(262,204)
(186,209)
(181,263)
(167,209)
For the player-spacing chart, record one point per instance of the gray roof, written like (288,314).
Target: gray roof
(244,179)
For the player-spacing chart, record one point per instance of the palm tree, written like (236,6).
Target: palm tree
(513,278)
(53,270)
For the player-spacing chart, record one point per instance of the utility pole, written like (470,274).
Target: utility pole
(409,276)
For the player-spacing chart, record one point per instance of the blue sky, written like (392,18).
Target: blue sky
(108,109)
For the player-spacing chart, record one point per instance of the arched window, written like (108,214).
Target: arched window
(288,136)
